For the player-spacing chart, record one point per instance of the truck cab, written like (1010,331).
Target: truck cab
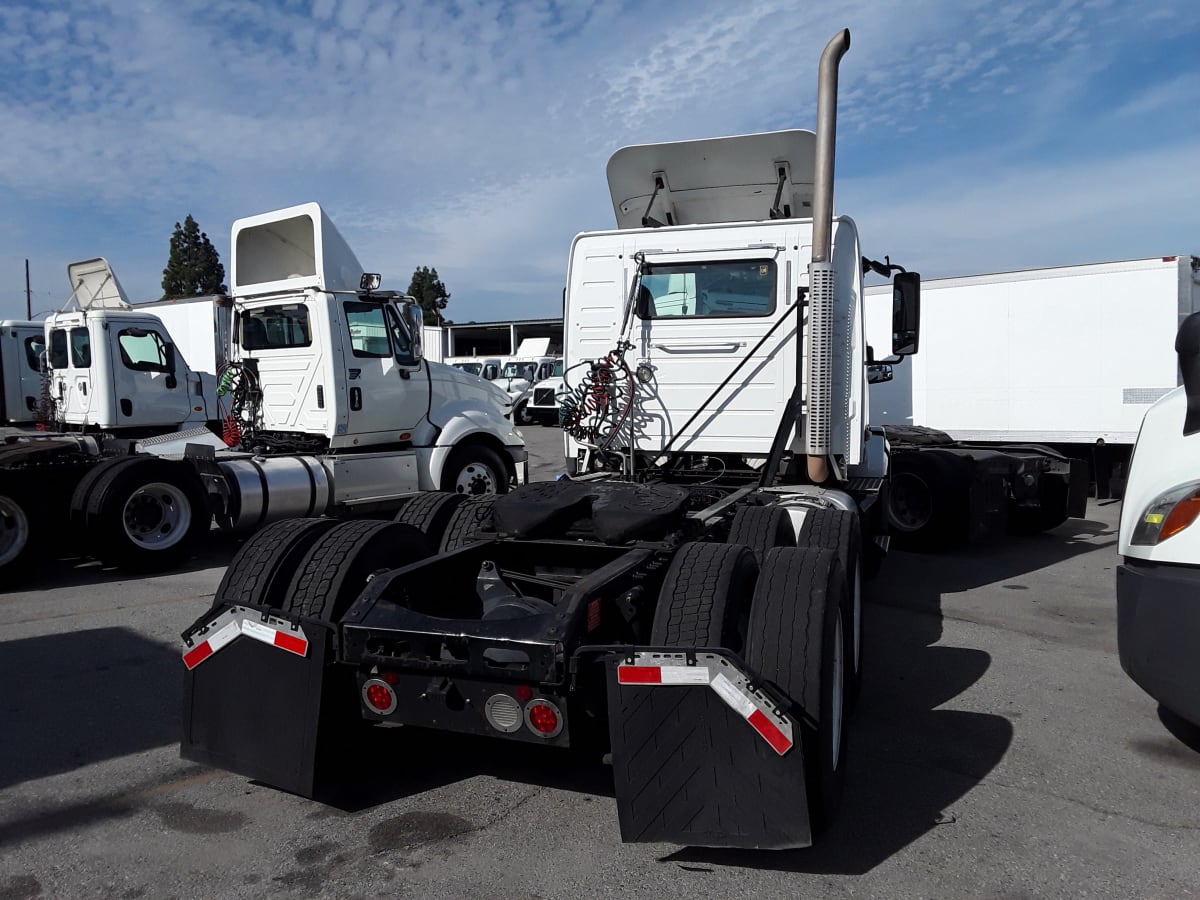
(331,363)
(1158,581)
(21,350)
(114,368)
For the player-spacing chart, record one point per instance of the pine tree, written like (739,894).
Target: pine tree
(430,293)
(194,266)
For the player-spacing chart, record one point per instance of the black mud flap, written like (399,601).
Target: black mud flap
(1078,488)
(702,755)
(252,696)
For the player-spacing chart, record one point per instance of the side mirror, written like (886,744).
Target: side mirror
(169,356)
(642,305)
(414,320)
(906,313)
(1187,345)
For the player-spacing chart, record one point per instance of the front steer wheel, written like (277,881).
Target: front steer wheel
(475,469)
(149,514)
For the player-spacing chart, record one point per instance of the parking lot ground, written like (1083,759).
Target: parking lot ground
(998,750)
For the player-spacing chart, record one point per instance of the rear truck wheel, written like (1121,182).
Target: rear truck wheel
(18,536)
(263,568)
(522,415)
(338,565)
(928,503)
(82,504)
(796,641)
(471,517)
(149,513)
(473,470)
(430,513)
(762,528)
(705,597)
(840,531)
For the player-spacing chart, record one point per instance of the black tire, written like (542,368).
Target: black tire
(705,597)
(430,513)
(475,470)
(21,534)
(522,415)
(471,517)
(928,500)
(841,532)
(761,528)
(793,642)
(81,499)
(148,514)
(263,568)
(339,564)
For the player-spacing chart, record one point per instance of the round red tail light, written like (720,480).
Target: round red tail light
(379,696)
(543,718)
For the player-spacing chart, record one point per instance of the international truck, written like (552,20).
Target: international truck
(688,597)
(1158,580)
(326,405)
(993,424)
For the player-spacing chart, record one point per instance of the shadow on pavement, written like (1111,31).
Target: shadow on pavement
(69,700)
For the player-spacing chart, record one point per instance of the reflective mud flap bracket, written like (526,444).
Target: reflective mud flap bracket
(704,755)
(252,695)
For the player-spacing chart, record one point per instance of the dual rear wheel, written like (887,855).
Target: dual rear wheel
(787,617)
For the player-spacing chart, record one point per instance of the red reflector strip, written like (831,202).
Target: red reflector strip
(771,734)
(639,675)
(291,643)
(197,655)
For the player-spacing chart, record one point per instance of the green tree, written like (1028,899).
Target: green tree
(430,293)
(194,266)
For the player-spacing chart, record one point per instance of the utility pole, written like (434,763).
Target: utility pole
(28,294)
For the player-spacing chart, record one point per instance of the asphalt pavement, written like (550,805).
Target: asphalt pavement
(998,750)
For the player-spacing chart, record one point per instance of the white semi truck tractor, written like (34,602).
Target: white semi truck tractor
(325,406)
(689,597)
(1158,580)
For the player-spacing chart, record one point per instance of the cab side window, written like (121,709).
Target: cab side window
(34,347)
(368,330)
(58,349)
(143,350)
(81,348)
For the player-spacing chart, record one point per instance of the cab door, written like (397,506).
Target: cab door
(71,360)
(148,389)
(388,394)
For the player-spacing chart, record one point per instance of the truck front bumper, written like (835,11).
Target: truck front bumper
(1158,632)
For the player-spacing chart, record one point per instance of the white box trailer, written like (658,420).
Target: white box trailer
(199,328)
(1069,356)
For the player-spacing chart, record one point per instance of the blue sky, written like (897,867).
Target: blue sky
(472,136)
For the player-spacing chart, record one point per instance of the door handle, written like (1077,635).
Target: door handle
(721,347)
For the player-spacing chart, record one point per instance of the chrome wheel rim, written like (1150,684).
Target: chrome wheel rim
(157,516)
(475,478)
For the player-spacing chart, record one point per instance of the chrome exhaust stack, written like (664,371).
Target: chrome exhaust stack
(822,289)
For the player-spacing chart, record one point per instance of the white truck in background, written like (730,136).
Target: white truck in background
(21,346)
(1158,581)
(326,405)
(1001,376)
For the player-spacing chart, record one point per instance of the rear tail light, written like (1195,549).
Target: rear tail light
(543,718)
(379,696)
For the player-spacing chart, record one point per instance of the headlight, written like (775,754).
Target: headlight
(1169,513)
